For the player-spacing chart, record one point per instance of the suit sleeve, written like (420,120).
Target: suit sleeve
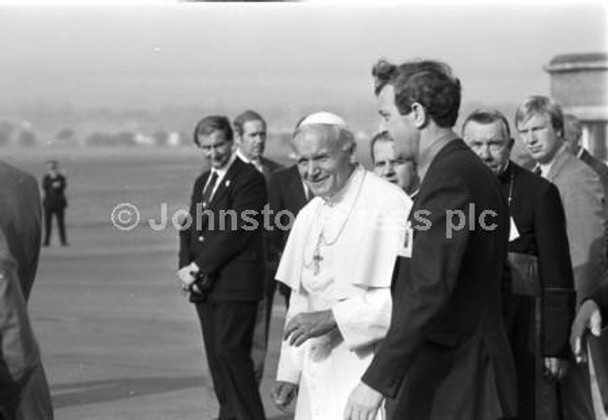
(423,285)
(19,354)
(582,200)
(185,255)
(555,268)
(276,236)
(249,199)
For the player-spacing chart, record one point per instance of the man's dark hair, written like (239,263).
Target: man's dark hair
(427,82)
(487,116)
(212,123)
(381,136)
(244,117)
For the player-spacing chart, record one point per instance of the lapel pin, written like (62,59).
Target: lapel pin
(227,183)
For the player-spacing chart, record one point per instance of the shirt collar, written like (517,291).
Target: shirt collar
(428,155)
(222,172)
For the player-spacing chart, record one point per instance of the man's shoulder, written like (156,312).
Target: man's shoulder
(270,164)
(527,180)
(597,165)
(575,172)
(12,175)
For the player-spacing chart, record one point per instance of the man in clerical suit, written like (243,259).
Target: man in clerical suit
(250,139)
(446,351)
(539,122)
(20,220)
(538,229)
(221,264)
(287,194)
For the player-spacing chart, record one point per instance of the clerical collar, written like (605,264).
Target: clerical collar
(427,155)
(505,172)
(347,193)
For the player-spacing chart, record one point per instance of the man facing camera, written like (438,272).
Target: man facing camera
(539,301)
(540,125)
(400,170)
(221,264)
(338,262)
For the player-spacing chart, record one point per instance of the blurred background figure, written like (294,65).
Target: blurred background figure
(250,139)
(393,167)
(54,201)
(21,225)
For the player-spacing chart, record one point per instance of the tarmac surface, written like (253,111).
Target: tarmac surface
(120,341)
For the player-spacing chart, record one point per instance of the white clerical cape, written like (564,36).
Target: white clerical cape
(363,229)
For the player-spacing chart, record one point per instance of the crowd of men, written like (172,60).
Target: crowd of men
(448,282)
(441,284)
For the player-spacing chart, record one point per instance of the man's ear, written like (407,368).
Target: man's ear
(419,114)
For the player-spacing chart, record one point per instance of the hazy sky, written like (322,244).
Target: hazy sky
(279,54)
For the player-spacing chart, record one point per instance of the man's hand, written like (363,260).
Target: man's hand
(363,403)
(283,394)
(588,317)
(555,369)
(187,275)
(308,325)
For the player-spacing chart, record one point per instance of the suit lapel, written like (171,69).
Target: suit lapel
(226,182)
(297,187)
(560,161)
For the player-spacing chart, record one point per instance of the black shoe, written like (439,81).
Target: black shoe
(65,244)
(45,244)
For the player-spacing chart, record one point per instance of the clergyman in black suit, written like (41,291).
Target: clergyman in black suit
(287,194)
(539,309)
(221,264)
(446,354)
(54,201)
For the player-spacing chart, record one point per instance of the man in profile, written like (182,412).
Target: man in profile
(539,300)
(396,169)
(221,265)
(446,354)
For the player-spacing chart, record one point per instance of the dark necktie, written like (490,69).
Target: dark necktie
(208,192)
(537,171)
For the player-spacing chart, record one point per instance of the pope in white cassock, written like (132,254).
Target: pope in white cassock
(339,262)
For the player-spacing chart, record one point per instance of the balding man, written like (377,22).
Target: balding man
(338,261)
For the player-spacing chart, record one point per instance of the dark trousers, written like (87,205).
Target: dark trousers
(227,335)
(48,224)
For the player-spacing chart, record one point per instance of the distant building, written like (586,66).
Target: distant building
(579,82)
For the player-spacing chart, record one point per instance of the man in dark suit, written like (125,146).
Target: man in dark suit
(287,194)
(20,220)
(54,202)
(446,354)
(250,138)
(539,309)
(222,266)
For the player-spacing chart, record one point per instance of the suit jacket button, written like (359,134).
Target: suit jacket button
(201,238)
